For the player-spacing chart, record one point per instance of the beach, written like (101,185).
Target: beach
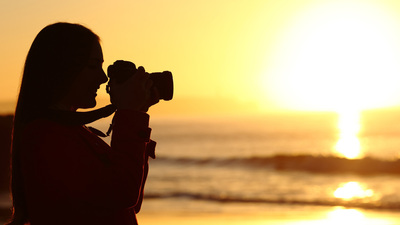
(155,212)
(271,214)
(267,170)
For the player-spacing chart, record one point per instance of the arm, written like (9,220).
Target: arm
(140,199)
(58,161)
(150,152)
(131,138)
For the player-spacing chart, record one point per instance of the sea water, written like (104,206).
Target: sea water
(237,164)
(210,163)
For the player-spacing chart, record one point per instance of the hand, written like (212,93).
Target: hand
(154,99)
(134,93)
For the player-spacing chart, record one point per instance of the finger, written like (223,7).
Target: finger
(137,79)
(140,72)
(155,96)
(141,76)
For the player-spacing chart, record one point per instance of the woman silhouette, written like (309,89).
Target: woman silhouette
(62,173)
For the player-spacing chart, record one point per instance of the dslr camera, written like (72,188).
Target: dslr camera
(121,71)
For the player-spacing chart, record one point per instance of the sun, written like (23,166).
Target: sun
(336,56)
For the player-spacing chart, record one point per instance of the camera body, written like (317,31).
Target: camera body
(121,71)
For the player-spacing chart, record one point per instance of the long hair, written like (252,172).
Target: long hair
(58,53)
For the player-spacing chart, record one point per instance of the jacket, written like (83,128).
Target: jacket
(73,177)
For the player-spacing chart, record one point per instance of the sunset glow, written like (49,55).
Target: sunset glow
(306,55)
(338,55)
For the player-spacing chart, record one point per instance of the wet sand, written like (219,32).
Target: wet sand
(287,218)
(292,215)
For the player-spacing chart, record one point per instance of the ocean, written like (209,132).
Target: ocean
(243,164)
(209,164)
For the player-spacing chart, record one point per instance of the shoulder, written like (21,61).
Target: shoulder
(40,129)
(45,126)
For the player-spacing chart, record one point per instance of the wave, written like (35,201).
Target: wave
(307,163)
(327,202)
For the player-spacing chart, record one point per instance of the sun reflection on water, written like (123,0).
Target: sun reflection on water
(341,215)
(346,216)
(348,144)
(351,190)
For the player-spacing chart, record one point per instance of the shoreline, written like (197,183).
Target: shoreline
(276,215)
(184,211)
(334,215)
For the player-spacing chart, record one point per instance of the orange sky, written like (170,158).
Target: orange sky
(266,54)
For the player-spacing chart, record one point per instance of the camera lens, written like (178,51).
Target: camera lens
(164,83)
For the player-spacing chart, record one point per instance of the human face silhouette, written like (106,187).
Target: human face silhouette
(83,91)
